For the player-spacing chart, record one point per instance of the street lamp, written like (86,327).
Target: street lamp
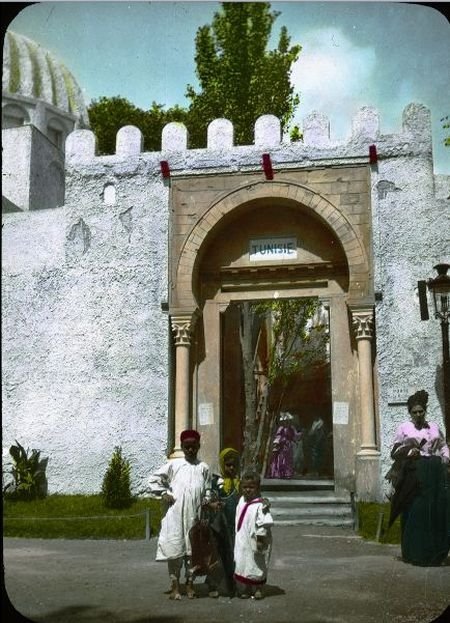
(440,288)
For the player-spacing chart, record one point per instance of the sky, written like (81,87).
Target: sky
(381,54)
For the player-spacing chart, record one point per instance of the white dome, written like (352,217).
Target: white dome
(31,71)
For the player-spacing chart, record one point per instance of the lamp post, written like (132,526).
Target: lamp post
(440,288)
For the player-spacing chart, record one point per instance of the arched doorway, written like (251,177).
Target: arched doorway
(263,242)
(266,254)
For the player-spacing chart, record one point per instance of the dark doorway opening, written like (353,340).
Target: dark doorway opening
(285,425)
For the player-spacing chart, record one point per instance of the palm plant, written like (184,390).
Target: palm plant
(28,472)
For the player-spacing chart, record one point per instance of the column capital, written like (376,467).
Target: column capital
(363,323)
(182,326)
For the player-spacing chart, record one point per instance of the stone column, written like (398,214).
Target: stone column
(363,327)
(182,327)
(368,457)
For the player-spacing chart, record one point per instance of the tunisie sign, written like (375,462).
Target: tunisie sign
(269,249)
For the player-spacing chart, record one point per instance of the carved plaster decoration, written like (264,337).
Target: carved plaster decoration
(182,329)
(362,321)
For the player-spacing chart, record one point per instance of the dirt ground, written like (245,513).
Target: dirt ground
(317,575)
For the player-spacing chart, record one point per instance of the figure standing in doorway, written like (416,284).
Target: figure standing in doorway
(286,436)
(316,442)
(299,452)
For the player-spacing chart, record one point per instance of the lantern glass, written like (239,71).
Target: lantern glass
(440,287)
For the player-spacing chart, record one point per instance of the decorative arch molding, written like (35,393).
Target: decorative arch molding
(298,193)
(14,116)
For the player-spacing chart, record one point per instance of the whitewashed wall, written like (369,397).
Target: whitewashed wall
(85,342)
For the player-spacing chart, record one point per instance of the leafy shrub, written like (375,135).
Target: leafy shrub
(28,472)
(116,488)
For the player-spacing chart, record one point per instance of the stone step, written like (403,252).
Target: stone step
(310,507)
(322,521)
(301,484)
(312,510)
(291,499)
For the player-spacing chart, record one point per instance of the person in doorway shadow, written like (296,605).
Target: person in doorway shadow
(316,444)
(286,437)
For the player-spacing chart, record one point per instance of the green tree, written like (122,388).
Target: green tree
(108,114)
(116,486)
(298,342)
(239,78)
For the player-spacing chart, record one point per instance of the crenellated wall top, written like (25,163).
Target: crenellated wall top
(414,135)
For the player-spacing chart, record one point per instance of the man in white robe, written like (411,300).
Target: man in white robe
(184,484)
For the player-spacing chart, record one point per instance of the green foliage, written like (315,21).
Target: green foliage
(79,517)
(108,114)
(297,343)
(239,79)
(28,472)
(116,486)
(296,346)
(296,134)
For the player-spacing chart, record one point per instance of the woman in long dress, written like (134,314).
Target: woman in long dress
(286,437)
(420,479)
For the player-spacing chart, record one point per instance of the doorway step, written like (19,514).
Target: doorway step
(302,507)
(297,484)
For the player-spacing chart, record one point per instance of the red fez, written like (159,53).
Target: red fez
(189,434)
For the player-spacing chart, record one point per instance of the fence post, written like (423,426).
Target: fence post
(147,525)
(380,526)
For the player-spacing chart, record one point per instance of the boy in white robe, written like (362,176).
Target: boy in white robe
(253,540)
(184,484)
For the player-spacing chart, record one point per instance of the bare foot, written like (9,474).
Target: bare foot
(175,590)
(174,595)
(190,590)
